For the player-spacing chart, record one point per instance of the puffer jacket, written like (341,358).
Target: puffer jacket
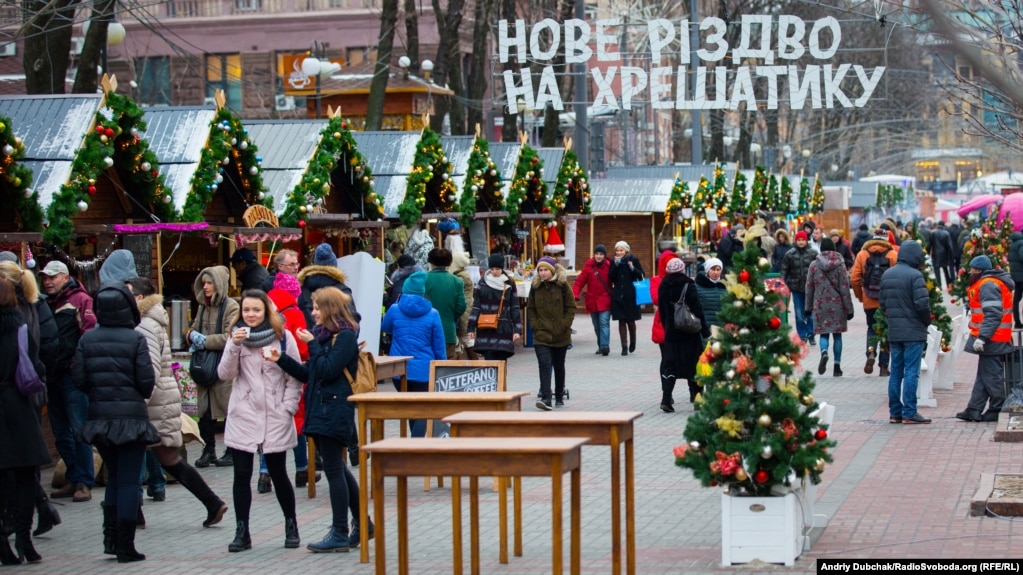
(164,405)
(827,294)
(113,367)
(416,330)
(261,416)
(710,293)
(21,437)
(657,329)
(596,280)
(313,278)
(328,411)
(489,300)
(795,265)
(859,268)
(1016,257)
(904,297)
(216,396)
(551,310)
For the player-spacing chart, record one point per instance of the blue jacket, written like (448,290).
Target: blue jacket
(416,330)
(904,297)
(327,409)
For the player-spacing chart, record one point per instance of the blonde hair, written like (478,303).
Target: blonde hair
(20,278)
(335,308)
(269,310)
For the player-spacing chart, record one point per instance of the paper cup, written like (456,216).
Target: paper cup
(268,351)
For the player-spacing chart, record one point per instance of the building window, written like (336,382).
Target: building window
(247,5)
(154,81)
(224,72)
(357,56)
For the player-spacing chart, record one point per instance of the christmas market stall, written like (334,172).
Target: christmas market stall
(482,199)
(630,211)
(21,218)
(570,202)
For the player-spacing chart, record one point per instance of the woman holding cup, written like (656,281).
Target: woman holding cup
(260,417)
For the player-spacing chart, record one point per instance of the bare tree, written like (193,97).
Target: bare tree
(47,34)
(412,35)
(449,66)
(478,81)
(382,69)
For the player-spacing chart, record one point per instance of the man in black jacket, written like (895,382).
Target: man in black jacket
(251,275)
(863,235)
(904,300)
(942,254)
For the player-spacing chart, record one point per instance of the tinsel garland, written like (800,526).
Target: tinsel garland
(528,186)
(160,227)
(571,184)
(18,178)
(482,185)
(430,177)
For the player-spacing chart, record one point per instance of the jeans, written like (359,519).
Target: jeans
(417,427)
(155,478)
(838,345)
(602,327)
(68,410)
(872,337)
(905,373)
(551,359)
(301,452)
(124,468)
(804,325)
(344,489)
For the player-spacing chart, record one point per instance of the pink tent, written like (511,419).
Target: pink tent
(978,203)
(1013,206)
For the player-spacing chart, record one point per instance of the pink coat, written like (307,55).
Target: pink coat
(263,401)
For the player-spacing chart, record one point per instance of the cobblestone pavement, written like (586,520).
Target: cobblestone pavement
(893,492)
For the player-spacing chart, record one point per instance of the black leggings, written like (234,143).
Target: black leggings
(276,464)
(344,489)
(208,430)
(124,470)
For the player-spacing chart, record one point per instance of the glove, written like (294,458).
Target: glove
(848,317)
(198,340)
(978,345)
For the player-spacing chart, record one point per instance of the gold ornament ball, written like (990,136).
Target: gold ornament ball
(820,465)
(806,399)
(337,135)
(16,181)
(326,188)
(3,126)
(740,474)
(764,420)
(716,348)
(301,209)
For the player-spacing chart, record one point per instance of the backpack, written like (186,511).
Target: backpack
(875,267)
(365,380)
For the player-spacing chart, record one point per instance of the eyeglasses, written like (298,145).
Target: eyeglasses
(291,265)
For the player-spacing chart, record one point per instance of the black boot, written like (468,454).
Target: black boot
(194,483)
(126,552)
(625,350)
(208,457)
(140,519)
(23,546)
(667,391)
(48,517)
(242,541)
(7,556)
(109,529)
(291,538)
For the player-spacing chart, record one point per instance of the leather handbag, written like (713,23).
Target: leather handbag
(203,366)
(685,321)
(490,320)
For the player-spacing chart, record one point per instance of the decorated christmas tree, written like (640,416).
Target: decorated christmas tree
(482,189)
(571,191)
(337,161)
(803,203)
(817,200)
(737,203)
(759,198)
(720,191)
(430,188)
(528,192)
(784,201)
(680,199)
(28,214)
(756,431)
(989,238)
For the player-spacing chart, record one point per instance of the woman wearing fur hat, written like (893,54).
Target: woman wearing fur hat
(496,294)
(551,309)
(625,269)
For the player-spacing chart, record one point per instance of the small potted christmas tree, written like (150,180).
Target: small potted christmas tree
(757,432)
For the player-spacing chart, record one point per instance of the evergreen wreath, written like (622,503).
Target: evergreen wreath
(337,150)
(482,188)
(528,186)
(17,178)
(680,199)
(571,188)
(228,146)
(430,181)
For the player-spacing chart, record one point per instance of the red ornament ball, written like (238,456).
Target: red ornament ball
(100,130)
(774,323)
(92,190)
(726,401)
(109,132)
(344,125)
(821,434)
(761,476)
(301,223)
(535,160)
(744,276)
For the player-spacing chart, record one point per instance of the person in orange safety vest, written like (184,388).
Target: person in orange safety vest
(990,301)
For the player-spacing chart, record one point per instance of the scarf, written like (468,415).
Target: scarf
(259,336)
(499,283)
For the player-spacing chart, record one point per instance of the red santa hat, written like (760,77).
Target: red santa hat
(554,244)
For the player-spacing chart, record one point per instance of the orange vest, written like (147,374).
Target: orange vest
(1004,332)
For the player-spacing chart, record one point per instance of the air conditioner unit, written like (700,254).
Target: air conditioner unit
(284,103)
(8,49)
(209,101)
(77,43)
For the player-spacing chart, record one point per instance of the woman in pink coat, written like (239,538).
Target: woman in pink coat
(260,416)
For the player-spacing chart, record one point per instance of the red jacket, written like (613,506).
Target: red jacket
(657,331)
(596,280)
(287,306)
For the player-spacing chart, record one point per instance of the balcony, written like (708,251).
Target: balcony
(173,9)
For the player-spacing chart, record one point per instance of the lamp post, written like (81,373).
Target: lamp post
(316,65)
(520,104)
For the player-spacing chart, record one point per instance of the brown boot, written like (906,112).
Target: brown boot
(82,493)
(884,371)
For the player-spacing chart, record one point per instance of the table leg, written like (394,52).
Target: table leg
(311,472)
(616,504)
(576,521)
(402,525)
(378,514)
(630,510)
(474,522)
(502,513)
(517,496)
(363,492)
(557,567)
(456,522)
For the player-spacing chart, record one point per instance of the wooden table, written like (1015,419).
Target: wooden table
(472,457)
(611,428)
(388,368)
(375,408)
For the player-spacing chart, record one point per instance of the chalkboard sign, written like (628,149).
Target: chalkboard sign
(478,242)
(463,376)
(141,247)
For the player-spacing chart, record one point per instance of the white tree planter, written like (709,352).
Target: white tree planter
(766,528)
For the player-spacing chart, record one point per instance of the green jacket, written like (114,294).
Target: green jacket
(551,309)
(446,294)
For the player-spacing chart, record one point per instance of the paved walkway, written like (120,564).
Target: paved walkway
(893,491)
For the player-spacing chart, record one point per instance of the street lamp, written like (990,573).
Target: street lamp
(427,68)
(404,62)
(115,35)
(317,66)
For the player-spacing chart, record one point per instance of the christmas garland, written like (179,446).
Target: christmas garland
(571,183)
(337,149)
(132,153)
(228,145)
(702,199)
(430,179)
(482,183)
(680,199)
(19,178)
(528,185)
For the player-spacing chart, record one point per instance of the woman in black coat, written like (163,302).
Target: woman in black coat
(625,269)
(112,366)
(680,350)
(22,448)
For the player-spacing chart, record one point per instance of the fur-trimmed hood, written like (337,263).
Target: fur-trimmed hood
(220,277)
(151,307)
(870,245)
(335,274)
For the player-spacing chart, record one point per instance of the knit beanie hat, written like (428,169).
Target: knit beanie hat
(600,249)
(712,263)
(546,262)
(623,244)
(119,266)
(324,256)
(982,263)
(827,245)
(801,236)
(6,256)
(495,261)
(287,283)
(415,284)
(675,266)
